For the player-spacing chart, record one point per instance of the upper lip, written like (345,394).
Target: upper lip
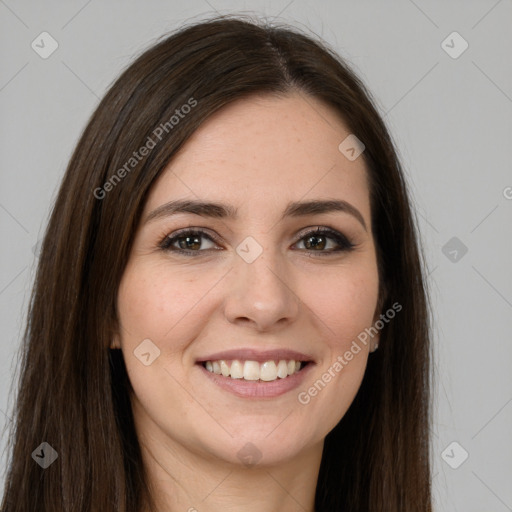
(248,354)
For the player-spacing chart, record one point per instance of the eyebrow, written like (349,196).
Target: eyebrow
(222,211)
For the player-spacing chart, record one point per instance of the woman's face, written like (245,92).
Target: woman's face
(257,287)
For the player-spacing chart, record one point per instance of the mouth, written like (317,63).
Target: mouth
(256,365)
(249,370)
(254,374)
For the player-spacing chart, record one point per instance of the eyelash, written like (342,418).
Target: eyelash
(344,243)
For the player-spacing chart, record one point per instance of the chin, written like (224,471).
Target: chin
(257,448)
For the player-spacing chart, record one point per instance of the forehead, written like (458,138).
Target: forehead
(262,152)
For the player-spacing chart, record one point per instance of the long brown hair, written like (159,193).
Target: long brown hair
(73,390)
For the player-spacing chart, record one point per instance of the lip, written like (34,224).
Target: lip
(258,389)
(248,354)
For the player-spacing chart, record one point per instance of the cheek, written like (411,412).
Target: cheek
(341,313)
(344,303)
(349,306)
(344,306)
(158,304)
(153,300)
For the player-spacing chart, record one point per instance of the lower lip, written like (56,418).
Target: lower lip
(256,388)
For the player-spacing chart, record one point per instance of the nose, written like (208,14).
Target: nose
(260,294)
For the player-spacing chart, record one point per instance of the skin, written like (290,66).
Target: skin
(256,154)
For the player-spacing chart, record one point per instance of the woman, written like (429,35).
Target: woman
(230,308)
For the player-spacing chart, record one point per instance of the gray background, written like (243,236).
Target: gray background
(450,117)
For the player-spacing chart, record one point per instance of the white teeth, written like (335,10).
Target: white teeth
(237,370)
(282,369)
(268,371)
(252,370)
(224,368)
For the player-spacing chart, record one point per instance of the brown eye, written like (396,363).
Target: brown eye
(317,241)
(189,241)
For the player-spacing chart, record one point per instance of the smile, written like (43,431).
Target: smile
(256,388)
(266,371)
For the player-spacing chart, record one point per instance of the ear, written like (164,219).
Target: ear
(375,339)
(383,294)
(115,343)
